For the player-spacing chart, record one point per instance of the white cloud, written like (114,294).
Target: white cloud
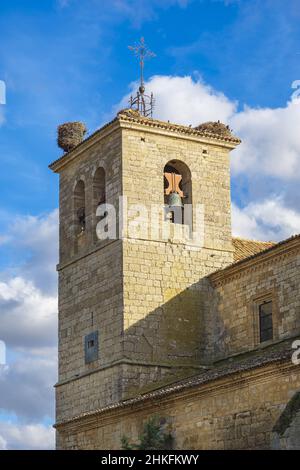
(27,385)
(267,161)
(28,325)
(3,443)
(266,220)
(2,92)
(37,237)
(28,292)
(270,141)
(28,317)
(186,101)
(26,436)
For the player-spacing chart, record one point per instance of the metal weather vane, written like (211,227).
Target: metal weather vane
(142,102)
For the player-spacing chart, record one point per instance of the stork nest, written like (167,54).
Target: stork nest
(129,112)
(215,128)
(70,134)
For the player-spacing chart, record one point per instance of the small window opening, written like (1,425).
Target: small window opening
(265,322)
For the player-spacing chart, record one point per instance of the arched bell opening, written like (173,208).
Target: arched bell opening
(99,196)
(79,208)
(177,192)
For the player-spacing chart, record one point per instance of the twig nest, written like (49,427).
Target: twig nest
(215,128)
(70,134)
(129,112)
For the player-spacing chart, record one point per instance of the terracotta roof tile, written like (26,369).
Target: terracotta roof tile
(244,248)
(280,353)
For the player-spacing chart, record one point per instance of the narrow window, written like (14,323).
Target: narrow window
(265,322)
(99,189)
(91,347)
(99,195)
(79,207)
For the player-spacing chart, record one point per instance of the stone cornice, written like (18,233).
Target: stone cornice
(236,270)
(184,132)
(130,362)
(75,259)
(154,126)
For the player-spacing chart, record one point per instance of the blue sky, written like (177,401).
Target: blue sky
(64,60)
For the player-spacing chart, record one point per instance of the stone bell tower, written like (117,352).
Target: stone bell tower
(132,308)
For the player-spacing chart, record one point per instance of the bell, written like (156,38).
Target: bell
(174,200)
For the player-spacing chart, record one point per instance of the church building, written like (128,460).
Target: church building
(177,319)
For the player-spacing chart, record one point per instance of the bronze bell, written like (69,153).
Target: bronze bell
(174,200)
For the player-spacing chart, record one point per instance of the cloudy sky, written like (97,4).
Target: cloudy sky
(61,60)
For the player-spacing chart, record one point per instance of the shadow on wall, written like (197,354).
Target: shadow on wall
(286,432)
(186,330)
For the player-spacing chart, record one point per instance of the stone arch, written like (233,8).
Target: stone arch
(177,179)
(79,178)
(99,194)
(79,210)
(99,187)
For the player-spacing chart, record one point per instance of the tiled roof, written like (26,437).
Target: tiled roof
(280,353)
(130,115)
(247,251)
(244,248)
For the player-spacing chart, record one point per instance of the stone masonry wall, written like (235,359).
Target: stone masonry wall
(239,291)
(286,432)
(158,313)
(145,155)
(107,154)
(165,309)
(94,274)
(110,384)
(235,412)
(90,287)
(144,297)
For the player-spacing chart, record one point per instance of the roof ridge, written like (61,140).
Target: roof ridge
(127,116)
(253,240)
(268,249)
